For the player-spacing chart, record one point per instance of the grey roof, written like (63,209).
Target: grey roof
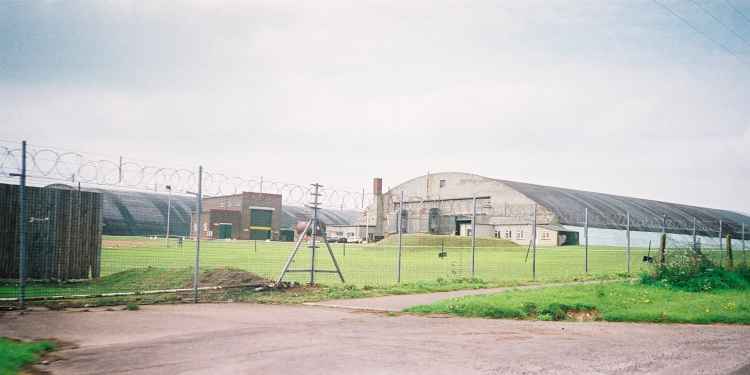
(292,214)
(141,213)
(609,211)
(144,213)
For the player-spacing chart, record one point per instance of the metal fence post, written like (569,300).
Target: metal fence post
(586,239)
(533,241)
(22,230)
(744,260)
(473,235)
(627,239)
(196,272)
(695,236)
(399,223)
(721,245)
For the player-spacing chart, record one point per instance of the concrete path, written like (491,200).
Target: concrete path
(400,302)
(291,339)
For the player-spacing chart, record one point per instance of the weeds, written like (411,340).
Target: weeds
(694,273)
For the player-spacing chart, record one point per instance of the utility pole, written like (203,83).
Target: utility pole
(315,204)
(314,226)
(169,212)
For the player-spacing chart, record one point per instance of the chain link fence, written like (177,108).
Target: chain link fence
(53,244)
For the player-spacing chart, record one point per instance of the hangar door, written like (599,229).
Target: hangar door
(260,223)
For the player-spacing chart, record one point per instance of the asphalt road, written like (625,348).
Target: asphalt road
(282,339)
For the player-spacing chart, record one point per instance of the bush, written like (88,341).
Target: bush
(696,274)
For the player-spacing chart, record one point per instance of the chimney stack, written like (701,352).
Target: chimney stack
(377,190)
(377,186)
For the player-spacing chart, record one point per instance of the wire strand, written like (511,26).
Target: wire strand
(701,32)
(720,22)
(738,11)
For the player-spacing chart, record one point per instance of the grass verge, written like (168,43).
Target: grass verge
(14,355)
(318,293)
(619,302)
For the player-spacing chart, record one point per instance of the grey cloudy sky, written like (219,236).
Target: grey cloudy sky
(612,96)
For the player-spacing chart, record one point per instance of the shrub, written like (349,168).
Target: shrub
(694,273)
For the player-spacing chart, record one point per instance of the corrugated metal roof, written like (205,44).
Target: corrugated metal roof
(138,213)
(609,211)
(292,214)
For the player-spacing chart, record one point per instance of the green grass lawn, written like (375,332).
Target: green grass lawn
(159,267)
(16,354)
(621,301)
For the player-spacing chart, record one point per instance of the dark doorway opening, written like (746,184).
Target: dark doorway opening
(458,225)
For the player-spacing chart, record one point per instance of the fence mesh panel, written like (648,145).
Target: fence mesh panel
(72,252)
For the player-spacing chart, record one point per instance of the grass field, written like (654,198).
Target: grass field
(362,264)
(16,354)
(630,302)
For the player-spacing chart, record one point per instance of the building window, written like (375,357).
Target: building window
(442,183)
(545,235)
(519,235)
(508,234)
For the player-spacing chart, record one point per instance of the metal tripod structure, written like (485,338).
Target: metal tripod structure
(315,225)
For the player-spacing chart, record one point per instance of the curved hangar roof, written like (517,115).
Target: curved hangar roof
(145,213)
(293,214)
(609,211)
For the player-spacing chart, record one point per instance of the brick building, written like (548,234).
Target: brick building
(245,216)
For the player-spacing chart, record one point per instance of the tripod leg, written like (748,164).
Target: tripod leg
(333,258)
(296,248)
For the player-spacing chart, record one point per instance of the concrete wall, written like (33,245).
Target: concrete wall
(521,234)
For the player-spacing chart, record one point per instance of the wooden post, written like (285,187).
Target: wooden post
(663,249)
(730,257)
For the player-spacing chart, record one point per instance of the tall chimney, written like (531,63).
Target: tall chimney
(377,190)
(377,186)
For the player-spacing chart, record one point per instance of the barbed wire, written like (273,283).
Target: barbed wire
(49,165)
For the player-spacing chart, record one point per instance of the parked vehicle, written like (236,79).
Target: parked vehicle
(353,239)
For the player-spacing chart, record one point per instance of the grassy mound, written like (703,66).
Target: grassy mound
(436,240)
(16,354)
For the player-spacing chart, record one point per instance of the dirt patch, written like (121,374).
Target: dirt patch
(584,315)
(229,277)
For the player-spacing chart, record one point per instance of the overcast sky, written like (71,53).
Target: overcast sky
(620,97)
